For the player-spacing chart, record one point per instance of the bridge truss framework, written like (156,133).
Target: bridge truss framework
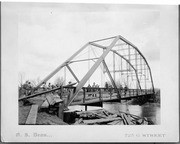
(136,65)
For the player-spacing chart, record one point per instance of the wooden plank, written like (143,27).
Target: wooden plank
(100,120)
(112,116)
(50,99)
(32,115)
(120,122)
(78,121)
(114,122)
(124,120)
(45,104)
(128,120)
(99,115)
(105,113)
(89,111)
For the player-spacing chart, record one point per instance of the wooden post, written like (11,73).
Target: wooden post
(61,110)
(84,95)
(85,107)
(100,97)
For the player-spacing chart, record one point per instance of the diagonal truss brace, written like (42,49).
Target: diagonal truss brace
(91,71)
(72,73)
(112,81)
(61,66)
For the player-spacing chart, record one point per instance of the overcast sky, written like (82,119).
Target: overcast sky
(48,34)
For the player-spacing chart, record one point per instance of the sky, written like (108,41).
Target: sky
(50,33)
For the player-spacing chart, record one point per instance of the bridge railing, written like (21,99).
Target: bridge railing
(91,93)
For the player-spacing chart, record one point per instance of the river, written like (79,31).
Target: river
(148,110)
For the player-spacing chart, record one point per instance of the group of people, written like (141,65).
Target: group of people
(49,86)
(93,88)
(121,88)
(27,87)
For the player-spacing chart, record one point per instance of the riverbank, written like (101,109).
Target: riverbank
(43,118)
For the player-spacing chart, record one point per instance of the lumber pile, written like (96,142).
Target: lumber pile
(103,117)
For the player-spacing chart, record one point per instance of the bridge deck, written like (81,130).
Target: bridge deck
(95,97)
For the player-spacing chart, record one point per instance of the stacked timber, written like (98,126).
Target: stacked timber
(103,117)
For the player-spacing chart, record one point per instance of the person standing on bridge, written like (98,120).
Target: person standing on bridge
(94,90)
(125,89)
(106,86)
(49,86)
(121,88)
(69,90)
(89,89)
(44,86)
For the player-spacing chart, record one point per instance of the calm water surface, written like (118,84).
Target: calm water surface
(148,110)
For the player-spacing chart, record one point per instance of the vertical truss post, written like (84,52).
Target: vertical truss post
(64,75)
(129,55)
(91,71)
(88,62)
(141,64)
(136,66)
(127,74)
(145,77)
(114,66)
(112,81)
(121,68)
(128,65)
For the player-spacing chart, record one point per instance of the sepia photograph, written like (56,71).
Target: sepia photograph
(82,65)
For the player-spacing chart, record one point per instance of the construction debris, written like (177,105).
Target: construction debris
(103,117)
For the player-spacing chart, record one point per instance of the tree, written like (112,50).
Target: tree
(59,81)
(35,82)
(21,77)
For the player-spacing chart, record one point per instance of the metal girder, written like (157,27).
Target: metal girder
(114,66)
(121,44)
(121,70)
(97,45)
(104,39)
(83,60)
(100,46)
(61,66)
(72,73)
(112,81)
(91,71)
(96,56)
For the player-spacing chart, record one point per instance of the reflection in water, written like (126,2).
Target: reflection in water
(148,110)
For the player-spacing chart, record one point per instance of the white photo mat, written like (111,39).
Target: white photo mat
(167,131)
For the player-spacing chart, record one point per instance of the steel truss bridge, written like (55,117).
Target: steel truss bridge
(118,59)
